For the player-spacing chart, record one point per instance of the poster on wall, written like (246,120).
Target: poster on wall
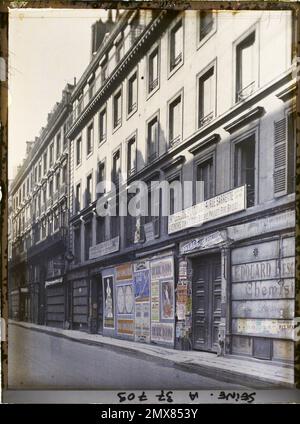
(167,300)
(125,326)
(162,332)
(125,299)
(142,301)
(181,301)
(154,300)
(108,302)
(142,322)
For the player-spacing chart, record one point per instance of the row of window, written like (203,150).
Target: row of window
(40,169)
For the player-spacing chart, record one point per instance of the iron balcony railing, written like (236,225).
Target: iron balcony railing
(176,60)
(175,141)
(245,91)
(153,84)
(152,157)
(204,120)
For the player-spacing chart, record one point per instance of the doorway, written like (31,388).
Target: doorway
(206,295)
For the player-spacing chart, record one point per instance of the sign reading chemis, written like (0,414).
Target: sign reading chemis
(224,204)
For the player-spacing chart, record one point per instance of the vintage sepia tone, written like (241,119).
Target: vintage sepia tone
(202,296)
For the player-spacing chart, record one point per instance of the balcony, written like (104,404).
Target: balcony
(246,91)
(54,241)
(204,120)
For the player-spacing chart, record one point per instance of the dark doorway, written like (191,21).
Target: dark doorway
(206,302)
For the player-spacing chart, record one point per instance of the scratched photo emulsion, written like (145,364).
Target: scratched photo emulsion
(151,208)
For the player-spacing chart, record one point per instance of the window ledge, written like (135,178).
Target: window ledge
(207,142)
(245,119)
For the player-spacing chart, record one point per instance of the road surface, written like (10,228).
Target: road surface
(39,360)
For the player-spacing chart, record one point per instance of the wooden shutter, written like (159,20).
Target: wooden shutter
(280,157)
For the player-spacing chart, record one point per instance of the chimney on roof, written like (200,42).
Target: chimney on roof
(29,146)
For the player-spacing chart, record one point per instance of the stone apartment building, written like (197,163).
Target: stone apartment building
(180,97)
(39,220)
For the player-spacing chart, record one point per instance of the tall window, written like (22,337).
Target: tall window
(245,67)
(87,239)
(77,244)
(57,183)
(78,198)
(91,88)
(45,162)
(100,175)
(152,139)
(100,229)
(90,139)
(206,97)
(57,145)
(65,140)
(132,93)
(79,105)
(40,174)
(88,196)
(131,157)
(104,72)
(205,174)
(176,45)
(119,51)
(116,170)
(117,106)
(50,189)
(44,195)
(64,174)
(153,78)
(244,167)
(102,125)
(206,24)
(175,121)
(78,151)
(51,154)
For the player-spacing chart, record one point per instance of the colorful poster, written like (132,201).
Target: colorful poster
(141,285)
(124,272)
(155,300)
(183,270)
(181,301)
(142,322)
(108,299)
(167,300)
(162,268)
(162,332)
(125,326)
(125,299)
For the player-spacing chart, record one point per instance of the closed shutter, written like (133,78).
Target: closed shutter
(280,158)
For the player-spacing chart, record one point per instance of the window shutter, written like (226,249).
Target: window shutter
(280,157)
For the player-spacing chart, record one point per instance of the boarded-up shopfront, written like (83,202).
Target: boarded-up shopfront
(55,302)
(263,298)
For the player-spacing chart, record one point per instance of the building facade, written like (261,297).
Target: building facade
(39,197)
(181,97)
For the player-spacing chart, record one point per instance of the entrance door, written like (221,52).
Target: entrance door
(206,302)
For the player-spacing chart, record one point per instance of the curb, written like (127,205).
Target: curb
(228,376)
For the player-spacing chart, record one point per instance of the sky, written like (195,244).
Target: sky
(47,49)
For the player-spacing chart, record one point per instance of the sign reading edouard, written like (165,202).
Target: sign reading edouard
(224,204)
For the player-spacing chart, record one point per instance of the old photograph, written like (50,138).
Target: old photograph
(151,203)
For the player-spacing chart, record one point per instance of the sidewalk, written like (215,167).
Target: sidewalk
(251,372)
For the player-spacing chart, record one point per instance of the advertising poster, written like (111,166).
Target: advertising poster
(154,300)
(142,322)
(167,300)
(142,301)
(108,302)
(181,301)
(162,332)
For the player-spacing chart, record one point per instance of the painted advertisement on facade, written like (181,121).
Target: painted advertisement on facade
(162,300)
(108,302)
(142,301)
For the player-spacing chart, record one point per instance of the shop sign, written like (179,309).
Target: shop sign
(264,327)
(162,332)
(217,207)
(264,270)
(105,248)
(53,282)
(202,243)
(273,223)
